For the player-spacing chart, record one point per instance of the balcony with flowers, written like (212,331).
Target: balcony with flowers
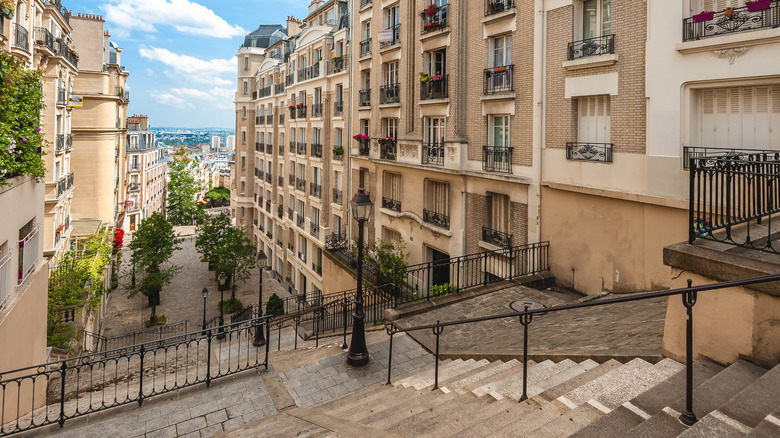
(387,148)
(363,143)
(434,18)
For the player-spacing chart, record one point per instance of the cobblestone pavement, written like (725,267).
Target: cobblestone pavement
(633,329)
(182,299)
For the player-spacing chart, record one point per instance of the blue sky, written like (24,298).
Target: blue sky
(181,53)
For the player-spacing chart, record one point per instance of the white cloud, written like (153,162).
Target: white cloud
(189,68)
(183,15)
(171,100)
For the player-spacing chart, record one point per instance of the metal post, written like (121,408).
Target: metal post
(358,352)
(259,340)
(390,332)
(316,327)
(297,318)
(484,274)
(525,319)
(64,369)
(279,335)
(344,306)
(267,335)
(436,331)
(221,334)
(141,378)
(689,300)
(204,315)
(208,359)
(692,179)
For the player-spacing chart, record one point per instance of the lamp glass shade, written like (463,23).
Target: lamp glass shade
(361,205)
(222,278)
(262,259)
(204,292)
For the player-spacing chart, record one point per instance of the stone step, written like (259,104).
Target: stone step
(407,410)
(561,377)
(494,368)
(531,415)
(715,424)
(390,402)
(494,386)
(568,423)
(625,390)
(754,403)
(621,376)
(768,427)
(479,366)
(493,378)
(367,396)
(515,389)
(433,416)
(582,379)
(457,420)
(405,381)
(448,373)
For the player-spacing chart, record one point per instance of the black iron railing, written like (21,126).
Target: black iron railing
(434,18)
(498,79)
(264,92)
(689,297)
(348,254)
(335,240)
(258,147)
(300,184)
(314,229)
(279,88)
(338,108)
(733,198)
(66,52)
(495,237)
(434,88)
(316,110)
(338,196)
(493,7)
(281,181)
(315,189)
(586,151)
(293,146)
(364,3)
(439,219)
(364,98)
(260,120)
(389,93)
(301,112)
(95,343)
(269,119)
(601,45)
(60,145)
(44,38)
(363,148)
(701,152)
(388,150)
(433,153)
(753,16)
(290,212)
(395,39)
(292,180)
(497,159)
(268,177)
(337,64)
(21,38)
(281,147)
(269,149)
(391,204)
(64,12)
(290,79)
(316,150)
(301,148)
(365,47)
(300,220)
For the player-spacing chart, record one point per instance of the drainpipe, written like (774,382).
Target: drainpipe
(540,56)
(348,150)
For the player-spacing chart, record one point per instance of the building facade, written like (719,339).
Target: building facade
(147,173)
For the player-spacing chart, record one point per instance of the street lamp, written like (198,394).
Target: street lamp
(358,352)
(205,293)
(262,259)
(222,278)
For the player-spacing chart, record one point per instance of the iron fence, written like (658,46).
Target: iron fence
(316,150)
(753,16)
(21,37)
(434,20)
(497,159)
(394,39)
(434,88)
(433,153)
(586,151)
(94,342)
(389,93)
(493,7)
(701,152)
(364,97)
(601,45)
(391,204)
(365,47)
(498,79)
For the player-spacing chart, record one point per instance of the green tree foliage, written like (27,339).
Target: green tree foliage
(182,191)
(220,192)
(21,102)
(389,257)
(153,245)
(274,306)
(227,248)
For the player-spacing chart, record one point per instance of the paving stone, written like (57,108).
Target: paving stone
(167,432)
(156,423)
(216,417)
(203,409)
(211,431)
(188,426)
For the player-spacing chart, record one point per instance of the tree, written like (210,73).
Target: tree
(274,306)
(153,245)
(182,191)
(389,257)
(226,248)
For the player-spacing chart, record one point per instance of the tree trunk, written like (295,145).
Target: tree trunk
(154,315)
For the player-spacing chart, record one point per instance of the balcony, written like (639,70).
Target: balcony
(316,110)
(44,38)
(301,148)
(391,204)
(391,38)
(280,212)
(64,184)
(269,119)
(316,150)
(753,16)
(64,141)
(292,180)
(365,48)
(433,153)
(260,204)
(434,87)
(363,147)
(290,212)
(364,3)
(498,80)
(259,173)
(338,156)
(439,219)
(603,45)
(135,167)
(281,118)
(316,190)
(389,93)
(364,98)
(338,196)
(338,108)
(258,147)
(337,64)
(21,37)
(495,237)
(290,246)
(268,206)
(300,184)
(497,159)
(269,149)
(314,229)
(64,12)
(264,92)
(388,149)
(599,152)
(134,187)
(493,7)
(65,51)
(434,18)
(299,220)
(301,109)
(335,240)
(268,177)
(279,243)
(281,181)
(121,93)
(290,79)
(292,146)
(28,258)
(259,120)
(279,88)
(281,149)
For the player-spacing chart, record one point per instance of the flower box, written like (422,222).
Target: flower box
(758,5)
(704,16)
(499,69)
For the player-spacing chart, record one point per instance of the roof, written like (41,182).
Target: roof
(84,227)
(264,35)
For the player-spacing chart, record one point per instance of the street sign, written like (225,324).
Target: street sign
(75,101)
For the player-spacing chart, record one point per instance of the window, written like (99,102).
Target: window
(593,119)
(339,93)
(246,63)
(315,217)
(391,236)
(392,186)
(498,208)
(434,130)
(437,203)
(498,131)
(243,163)
(392,17)
(436,62)
(316,175)
(242,212)
(317,136)
(366,30)
(337,137)
(243,187)
(364,126)
(246,87)
(391,73)
(737,117)
(500,51)
(243,137)
(596,18)
(243,112)
(336,224)
(317,96)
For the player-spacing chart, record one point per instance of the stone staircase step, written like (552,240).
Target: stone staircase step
(561,377)
(391,401)
(568,423)
(479,366)
(450,372)
(562,388)
(754,403)
(495,386)
(495,368)
(367,396)
(768,427)
(494,378)
(405,382)
(426,379)
(457,420)
(621,376)
(625,390)
(531,416)
(715,425)
(420,422)
(407,410)
(515,389)
(617,422)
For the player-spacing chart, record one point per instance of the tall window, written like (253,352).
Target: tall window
(390,127)
(436,62)
(243,112)
(243,163)
(246,63)
(434,130)
(392,17)
(596,18)
(366,30)
(437,203)
(498,207)
(389,235)
(337,137)
(392,186)
(500,51)
(593,119)
(246,87)
(364,126)
(498,131)
(339,93)
(391,73)
(737,117)
(317,136)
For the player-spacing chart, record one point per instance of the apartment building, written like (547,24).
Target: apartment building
(146,175)
(98,125)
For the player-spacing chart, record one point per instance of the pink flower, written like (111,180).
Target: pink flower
(39,129)
(24,139)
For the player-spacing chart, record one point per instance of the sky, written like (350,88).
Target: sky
(181,53)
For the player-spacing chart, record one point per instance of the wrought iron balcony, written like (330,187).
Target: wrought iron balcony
(499,79)
(280,181)
(391,204)
(602,45)
(316,150)
(301,112)
(269,148)
(316,190)
(395,38)
(62,96)
(290,212)
(290,79)
(293,146)
(21,39)
(365,47)
(497,159)
(364,98)
(338,157)
(280,212)
(264,92)
(292,180)
(701,152)
(434,18)
(495,237)
(433,153)
(134,187)
(290,246)
(268,206)
(281,118)
(493,7)
(64,184)
(338,108)
(268,177)
(281,149)
(586,151)
(337,64)
(364,3)
(316,110)
(64,12)
(439,219)
(260,120)
(44,38)
(300,220)
(279,88)
(388,149)
(279,243)
(754,15)
(434,88)
(363,148)
(314,229)
(269,119)
(389,93)
(338,196)
(301,148)
(300,184)
(60,146)
(65,51)
(258,147)
(259,173)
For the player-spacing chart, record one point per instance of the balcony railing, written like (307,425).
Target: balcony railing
(316,190)
(5,270)
(44,38)
(258,147)
(316,110)
(395,37)
(301,148)
(268,206)
(589,151)
(264,92)
(66,52)
(365,47)
(291,180)
(433,153)
(338,108)
(28,254)
(498,79)
(388,150)
(301,110)
(269,119)
(293,145)
(300,184)
(300,220)
(268,177)
(64,12)
(269,149)
(281,118)
(281,149)
(434,88)
(260,120)
(279,88)
(337,64)
(389,93)
(21,37)
(434,18)
(364,3)
(314,229)
(363,148)
(602,45)
(316,150)
(64,184)
(493,7)
(495,237)
(280,213)
(364,98)
(391,204)
(290,79)
(338,196)
(338,157)
(700,152)
(290,213)
(280,181)
(259,173)
(439,219)
(753,16)
(497,159)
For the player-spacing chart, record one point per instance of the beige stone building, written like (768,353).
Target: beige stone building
(146,173)
(99,130)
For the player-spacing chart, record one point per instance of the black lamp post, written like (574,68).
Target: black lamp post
(222,278)
(262,259)
(205,293)
(358,352)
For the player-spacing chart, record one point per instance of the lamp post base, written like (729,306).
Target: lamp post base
(357,356)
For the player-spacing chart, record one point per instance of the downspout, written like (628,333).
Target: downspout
(348,173)
(541,61)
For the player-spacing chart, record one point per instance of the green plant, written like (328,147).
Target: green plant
(21,140)
(231,305)
(443,289)
(157,320)
(62,335)
(182,192)
(338,150)
(274,306)
(218,193)
(7,8)
(380,321)
(227,248)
